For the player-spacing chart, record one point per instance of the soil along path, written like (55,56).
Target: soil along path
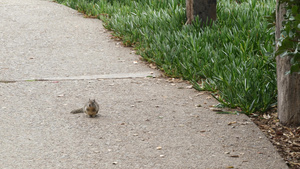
(53,60)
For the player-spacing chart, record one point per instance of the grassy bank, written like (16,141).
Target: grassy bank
(232,56)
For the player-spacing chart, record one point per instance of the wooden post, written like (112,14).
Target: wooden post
(205,9)
(288,84)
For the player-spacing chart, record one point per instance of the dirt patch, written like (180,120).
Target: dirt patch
(285,139)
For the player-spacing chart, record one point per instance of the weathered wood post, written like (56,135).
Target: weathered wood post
(288,84)
(205,9)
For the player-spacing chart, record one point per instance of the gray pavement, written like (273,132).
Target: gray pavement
(52,60)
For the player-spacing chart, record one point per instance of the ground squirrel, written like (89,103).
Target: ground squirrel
(91,108)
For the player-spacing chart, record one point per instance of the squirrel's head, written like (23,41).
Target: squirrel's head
(92,102)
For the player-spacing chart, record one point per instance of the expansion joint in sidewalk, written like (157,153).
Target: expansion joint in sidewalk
(87,77)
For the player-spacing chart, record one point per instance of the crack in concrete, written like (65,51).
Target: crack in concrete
(88,77)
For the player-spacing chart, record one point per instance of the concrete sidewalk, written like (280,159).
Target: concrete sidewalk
(52,60)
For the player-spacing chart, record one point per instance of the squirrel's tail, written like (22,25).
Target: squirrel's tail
(77,111)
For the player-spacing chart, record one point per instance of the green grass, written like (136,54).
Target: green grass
(231,58)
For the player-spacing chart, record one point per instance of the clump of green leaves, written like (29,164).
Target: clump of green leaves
(232,57)
(289,41)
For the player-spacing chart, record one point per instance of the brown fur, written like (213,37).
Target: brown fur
(91,108)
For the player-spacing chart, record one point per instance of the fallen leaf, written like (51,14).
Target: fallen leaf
(233,122)
(152,66)
(235,156)
(189,87)
(216,109)
(266,116)
(278,132)
(200,94)
(245,123)
(296,144)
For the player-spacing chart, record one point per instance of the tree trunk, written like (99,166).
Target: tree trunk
(288,84)
(189,11)
(205,9)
